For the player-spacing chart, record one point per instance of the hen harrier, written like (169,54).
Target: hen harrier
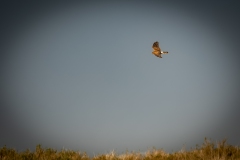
(157,50)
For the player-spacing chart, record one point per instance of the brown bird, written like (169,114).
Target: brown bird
(157,50)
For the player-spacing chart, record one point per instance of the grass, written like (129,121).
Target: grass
(208,151)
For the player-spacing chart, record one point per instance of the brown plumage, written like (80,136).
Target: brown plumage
(157,50)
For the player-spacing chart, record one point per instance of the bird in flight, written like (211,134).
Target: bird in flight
(157,50)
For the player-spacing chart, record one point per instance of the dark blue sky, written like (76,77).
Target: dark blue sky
(81,75)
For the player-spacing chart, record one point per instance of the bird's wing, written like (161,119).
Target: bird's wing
(156,49)
(156,46)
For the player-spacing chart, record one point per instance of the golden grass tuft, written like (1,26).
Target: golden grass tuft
(208,151)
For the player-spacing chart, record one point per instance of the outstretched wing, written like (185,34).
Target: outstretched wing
(156,50)
(156,46)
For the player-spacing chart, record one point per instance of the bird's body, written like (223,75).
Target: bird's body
(157,50)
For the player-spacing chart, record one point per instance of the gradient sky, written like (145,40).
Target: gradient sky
(81,75)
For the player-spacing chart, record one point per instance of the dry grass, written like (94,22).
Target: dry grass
(208,151)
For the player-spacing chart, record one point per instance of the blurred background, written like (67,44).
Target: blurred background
(80,75)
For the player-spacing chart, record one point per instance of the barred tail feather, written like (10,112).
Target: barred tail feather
(164,52)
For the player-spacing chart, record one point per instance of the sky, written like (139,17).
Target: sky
(80,75)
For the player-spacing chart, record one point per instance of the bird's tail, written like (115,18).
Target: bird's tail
(164,52)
